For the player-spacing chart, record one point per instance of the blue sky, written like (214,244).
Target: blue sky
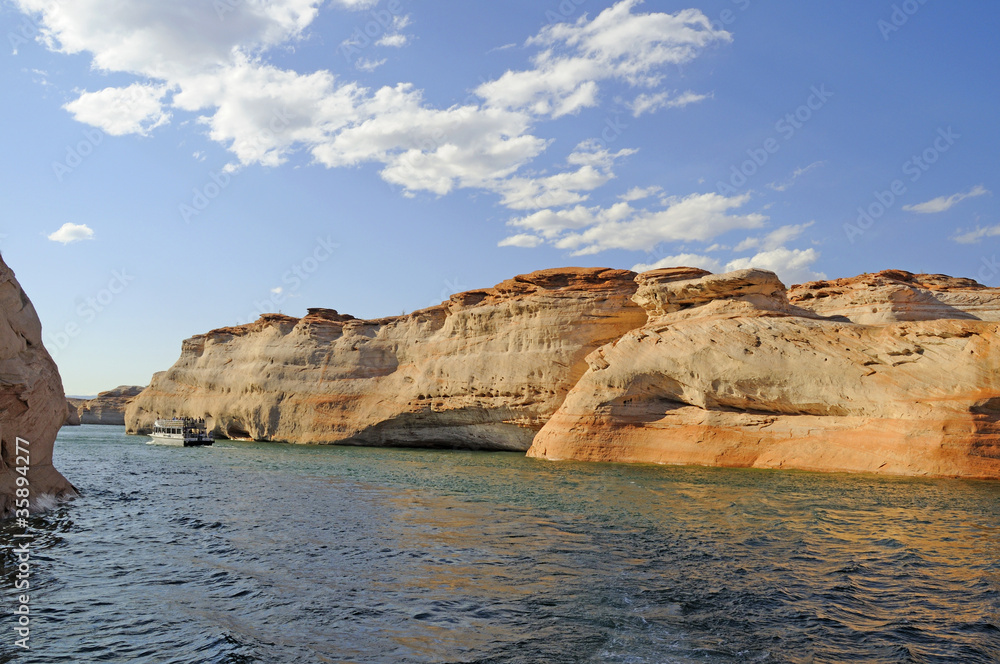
(176,167)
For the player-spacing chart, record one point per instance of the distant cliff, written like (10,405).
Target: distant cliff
(484,370)
(888,373)
(106,408)
(32,402)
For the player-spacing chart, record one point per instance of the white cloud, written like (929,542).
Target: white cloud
(593,165)
(69,233)
(943,203)
(366,64)
(796,174)
(167,40)
(584,231)
(774,239)
(639,193)
(617,44)
(277,290)
(356,4)
(792,265)
(211,59)
(973,237)
(650,103)
(521,240)
(395,40)
(135,109)
(681,260)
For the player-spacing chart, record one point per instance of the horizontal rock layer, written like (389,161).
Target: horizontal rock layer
(890,373)
(484,370)
(32,402)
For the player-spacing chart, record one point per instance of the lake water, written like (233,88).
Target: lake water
(253,552)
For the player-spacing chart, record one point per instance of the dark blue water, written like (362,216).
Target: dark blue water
(248,552)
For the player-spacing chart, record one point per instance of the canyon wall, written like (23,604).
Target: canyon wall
(484,370)
(889,373)
(32,402)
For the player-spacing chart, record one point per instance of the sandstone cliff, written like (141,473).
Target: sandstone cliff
(32,402)
(108,407)
(484,370)
(73,412)
(891,373)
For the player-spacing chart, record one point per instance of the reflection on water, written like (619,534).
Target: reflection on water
(248,552)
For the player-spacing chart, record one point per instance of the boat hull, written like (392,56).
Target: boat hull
(179,441)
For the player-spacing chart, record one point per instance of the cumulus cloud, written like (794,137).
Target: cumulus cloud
(774,239)
(591,166)
(639,193)
(395,40)
(69,233)
(367,64)
(794,266)
(974,236)
(944,203)
(521,240)
(589,230)
(211,60)
(135,109)
(617,44)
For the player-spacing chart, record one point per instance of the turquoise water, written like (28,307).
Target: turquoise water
(253,552)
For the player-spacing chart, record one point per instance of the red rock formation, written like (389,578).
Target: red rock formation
(32,402)
(729,372)
(483,370)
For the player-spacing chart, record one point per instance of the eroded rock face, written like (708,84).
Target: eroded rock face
(72,413)
(894,295)
(888,373)
(483,370)
(108,407)
(32,402)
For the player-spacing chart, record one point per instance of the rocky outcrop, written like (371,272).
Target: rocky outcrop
(108,407)
(889,373)
(893,296)
(484,370)
(32,402)
(72,413)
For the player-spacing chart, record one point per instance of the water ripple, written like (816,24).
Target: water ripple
(252,553)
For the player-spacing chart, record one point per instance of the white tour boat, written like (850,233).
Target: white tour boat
(181,431)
